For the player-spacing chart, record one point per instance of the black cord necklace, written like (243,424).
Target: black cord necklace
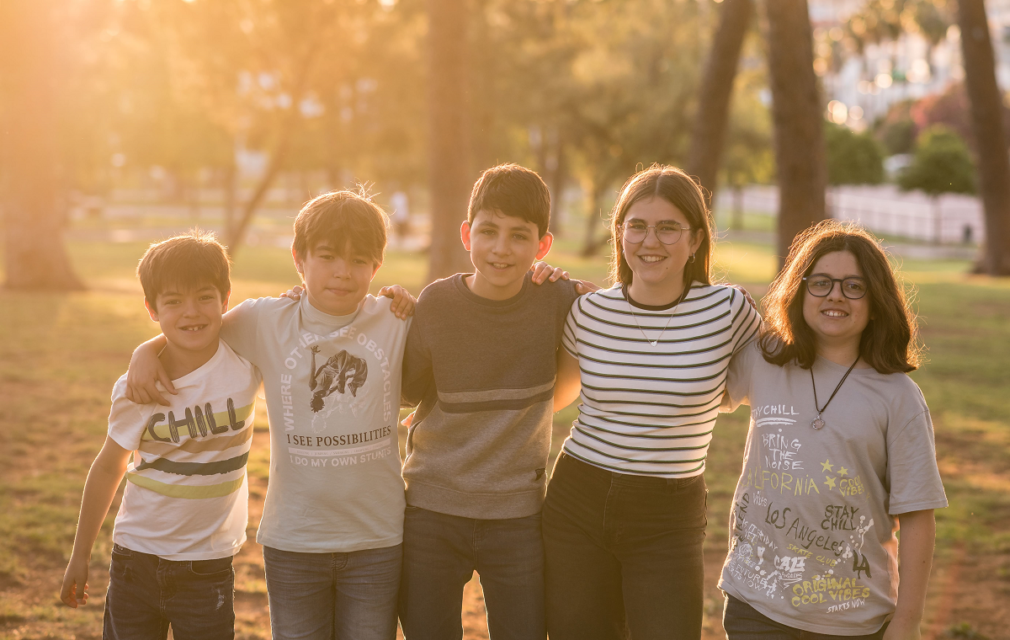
(818,422)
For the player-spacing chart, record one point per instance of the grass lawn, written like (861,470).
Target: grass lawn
(61,353)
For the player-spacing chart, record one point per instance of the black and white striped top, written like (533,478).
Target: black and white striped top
(650,410)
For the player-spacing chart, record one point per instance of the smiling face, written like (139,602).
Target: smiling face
(502,249)
(658,268)
(335,281)
(837,321)
(190,319)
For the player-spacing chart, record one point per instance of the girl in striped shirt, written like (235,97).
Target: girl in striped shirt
(625,514)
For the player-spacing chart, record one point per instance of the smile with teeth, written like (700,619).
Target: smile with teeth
(651,258)
(835,313)
(499,265)
(193,327)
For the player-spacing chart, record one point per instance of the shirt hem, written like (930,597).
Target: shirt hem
(286,545)
(132,544)
(480,506)
(916,506)
(848,630)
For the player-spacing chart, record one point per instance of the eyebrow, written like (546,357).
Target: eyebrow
(828,275)
(491,223)
(660,222)
(179,293)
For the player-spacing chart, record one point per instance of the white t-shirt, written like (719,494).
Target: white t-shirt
(187,496)
(653,377)
(333,397)
(812,542)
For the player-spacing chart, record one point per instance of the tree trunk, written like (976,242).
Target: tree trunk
(592,245)
(716,90)
(449,177)
(990,139)
(35,257)
(557,175)
(796,110)
(285,131)
(737,224)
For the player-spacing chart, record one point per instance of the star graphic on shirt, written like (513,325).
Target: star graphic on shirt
(829,481)
(842,471)
(827,466)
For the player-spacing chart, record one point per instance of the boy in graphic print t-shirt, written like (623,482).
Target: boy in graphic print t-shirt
(812,542)
(184,510)
(332,520)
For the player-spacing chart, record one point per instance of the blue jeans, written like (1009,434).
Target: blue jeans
(743,622)
(147,594)
(624,554)
(440,554)
(333,596)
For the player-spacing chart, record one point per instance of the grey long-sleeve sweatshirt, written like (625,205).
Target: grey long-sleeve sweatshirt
(483,372)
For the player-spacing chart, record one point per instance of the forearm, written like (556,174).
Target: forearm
(915,558)
(152,347)
(99,491)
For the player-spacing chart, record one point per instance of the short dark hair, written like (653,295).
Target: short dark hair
(889,342)
(186,262)
(346,219)
(513,191)
(680,190)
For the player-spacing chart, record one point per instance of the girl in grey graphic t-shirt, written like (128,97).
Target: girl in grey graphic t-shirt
(839,452)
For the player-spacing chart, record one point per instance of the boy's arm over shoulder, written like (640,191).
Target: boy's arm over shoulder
(418,375)
(240,327)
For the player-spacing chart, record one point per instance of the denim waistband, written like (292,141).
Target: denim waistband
(627,479)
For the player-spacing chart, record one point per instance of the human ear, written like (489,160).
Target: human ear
(375,270)
(464,234)
(545,245)
(224,305)
(151,311)
(298,262)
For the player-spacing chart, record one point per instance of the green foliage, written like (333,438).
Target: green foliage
(853,158)
(963,631)
(898,135)
(942,164)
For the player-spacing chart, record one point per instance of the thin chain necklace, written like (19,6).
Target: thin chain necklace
(818,422)
(631,306)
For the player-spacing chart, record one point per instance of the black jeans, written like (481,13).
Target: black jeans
(743,622)
(148,593)
(440,554)
(624,554)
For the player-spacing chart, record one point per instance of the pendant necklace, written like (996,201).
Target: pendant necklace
(631,306)
(652,342)
(818,422)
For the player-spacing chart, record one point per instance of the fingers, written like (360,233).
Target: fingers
(74,592)
(403,303)
(295,293)
(541,270)
(559,274)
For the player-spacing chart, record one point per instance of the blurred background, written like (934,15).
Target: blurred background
(123,122)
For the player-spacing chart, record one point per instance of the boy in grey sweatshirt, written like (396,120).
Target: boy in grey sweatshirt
(481,362)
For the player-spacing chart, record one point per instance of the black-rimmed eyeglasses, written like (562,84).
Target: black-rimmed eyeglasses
(820,285)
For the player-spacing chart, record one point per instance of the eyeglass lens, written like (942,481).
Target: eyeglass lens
(821,286)
(636,232)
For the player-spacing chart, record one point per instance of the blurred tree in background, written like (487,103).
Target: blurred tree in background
(853,158)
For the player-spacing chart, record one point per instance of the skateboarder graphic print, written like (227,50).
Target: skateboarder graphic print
(340,372)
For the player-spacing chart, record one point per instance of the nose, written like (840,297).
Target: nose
(832,295)
(341,269)
(651,233)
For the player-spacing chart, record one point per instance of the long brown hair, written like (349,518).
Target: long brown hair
(889,342)
(677,188)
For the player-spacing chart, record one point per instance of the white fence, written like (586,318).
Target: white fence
(884,209)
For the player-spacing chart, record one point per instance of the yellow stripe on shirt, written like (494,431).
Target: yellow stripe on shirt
(186,491)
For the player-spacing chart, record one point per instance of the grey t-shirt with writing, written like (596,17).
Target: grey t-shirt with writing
(333,393)
(812,526)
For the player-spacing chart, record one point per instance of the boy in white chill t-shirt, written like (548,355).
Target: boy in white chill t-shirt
(185,507)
